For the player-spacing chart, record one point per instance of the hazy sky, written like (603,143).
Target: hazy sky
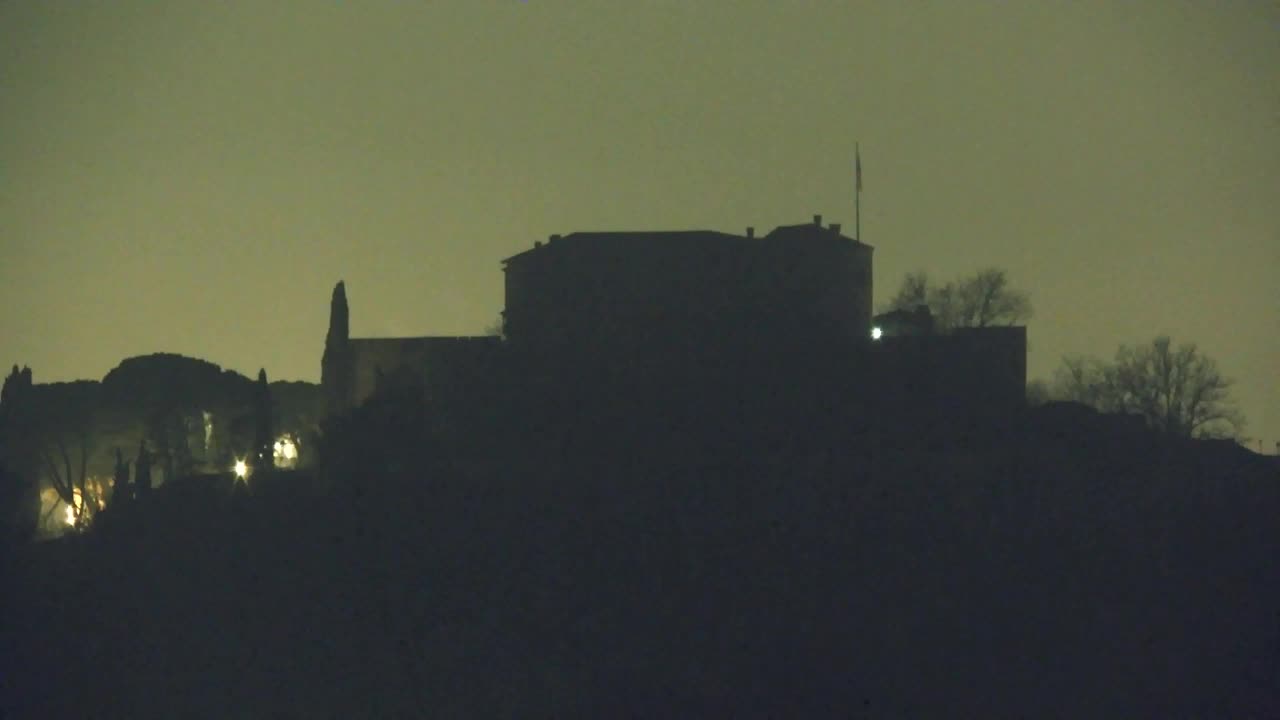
(194,177)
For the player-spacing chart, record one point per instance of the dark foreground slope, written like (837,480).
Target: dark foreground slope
(1045,573)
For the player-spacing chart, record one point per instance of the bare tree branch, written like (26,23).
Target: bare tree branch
(981,300)
(63,489)
(913,292)
(56,502)
(1178,391)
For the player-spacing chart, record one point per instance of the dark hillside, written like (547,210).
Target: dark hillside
(1065,569)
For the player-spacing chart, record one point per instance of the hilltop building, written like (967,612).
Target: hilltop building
(608,291)
(626,312)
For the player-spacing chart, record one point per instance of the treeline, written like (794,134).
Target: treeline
(166,414)
(1059,568)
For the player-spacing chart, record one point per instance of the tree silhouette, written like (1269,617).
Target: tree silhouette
(983,299)
(1038,393)
(164,397)
(120,489)
(142,472)
(1176,390)
(497,328)
(263,442)
(19,479)
(296,408)
(335,365)
(59,434)
(913,292)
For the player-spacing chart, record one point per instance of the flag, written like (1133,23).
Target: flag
(857,169)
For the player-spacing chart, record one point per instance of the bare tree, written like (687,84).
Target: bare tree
(497,328)
(983,299)
(1177,390)
(913,292)
(986,299)
(58,436)
(65,457)
(1083,380)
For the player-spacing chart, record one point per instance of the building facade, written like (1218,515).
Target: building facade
(632,324)
(625,291)
(353,369)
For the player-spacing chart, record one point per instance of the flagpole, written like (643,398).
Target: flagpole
(857,194)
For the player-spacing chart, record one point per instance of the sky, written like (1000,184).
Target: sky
(194,177)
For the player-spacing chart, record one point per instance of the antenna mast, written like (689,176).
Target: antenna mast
(857,193)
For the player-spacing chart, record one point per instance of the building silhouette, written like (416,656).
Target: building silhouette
(615,291)
(353,369)
(629,324)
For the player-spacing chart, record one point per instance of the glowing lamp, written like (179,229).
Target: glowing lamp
(241,469)
(876,333)
(285,449)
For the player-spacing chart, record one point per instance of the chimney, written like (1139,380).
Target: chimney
(537,243)
(817,220)
(751,232)
(835,228)
(552,239)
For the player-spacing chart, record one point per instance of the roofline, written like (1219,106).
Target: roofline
(643,233)
(540,244)
(424,337)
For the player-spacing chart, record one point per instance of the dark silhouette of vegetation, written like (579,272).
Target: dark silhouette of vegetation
(20,504)
(387,436)
(164,397)
(16,383)
(19,475)
(1039,393)
(983,299)
(1056,568)
(1179,390)
(498,328)
(142,472)
(298,407)
(335,365)
(193,415)
(667,534)
(263,438)
(59,432)
(121,488)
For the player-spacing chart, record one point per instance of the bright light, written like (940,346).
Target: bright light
(241,468)
(286,449)
(876,333)
(70,517)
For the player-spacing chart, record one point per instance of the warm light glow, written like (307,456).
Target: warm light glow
(876,333)
(241,468)
(70,517)
(285,450)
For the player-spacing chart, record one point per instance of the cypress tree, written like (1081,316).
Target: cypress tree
(335,367)
(142,472)
(263,442)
